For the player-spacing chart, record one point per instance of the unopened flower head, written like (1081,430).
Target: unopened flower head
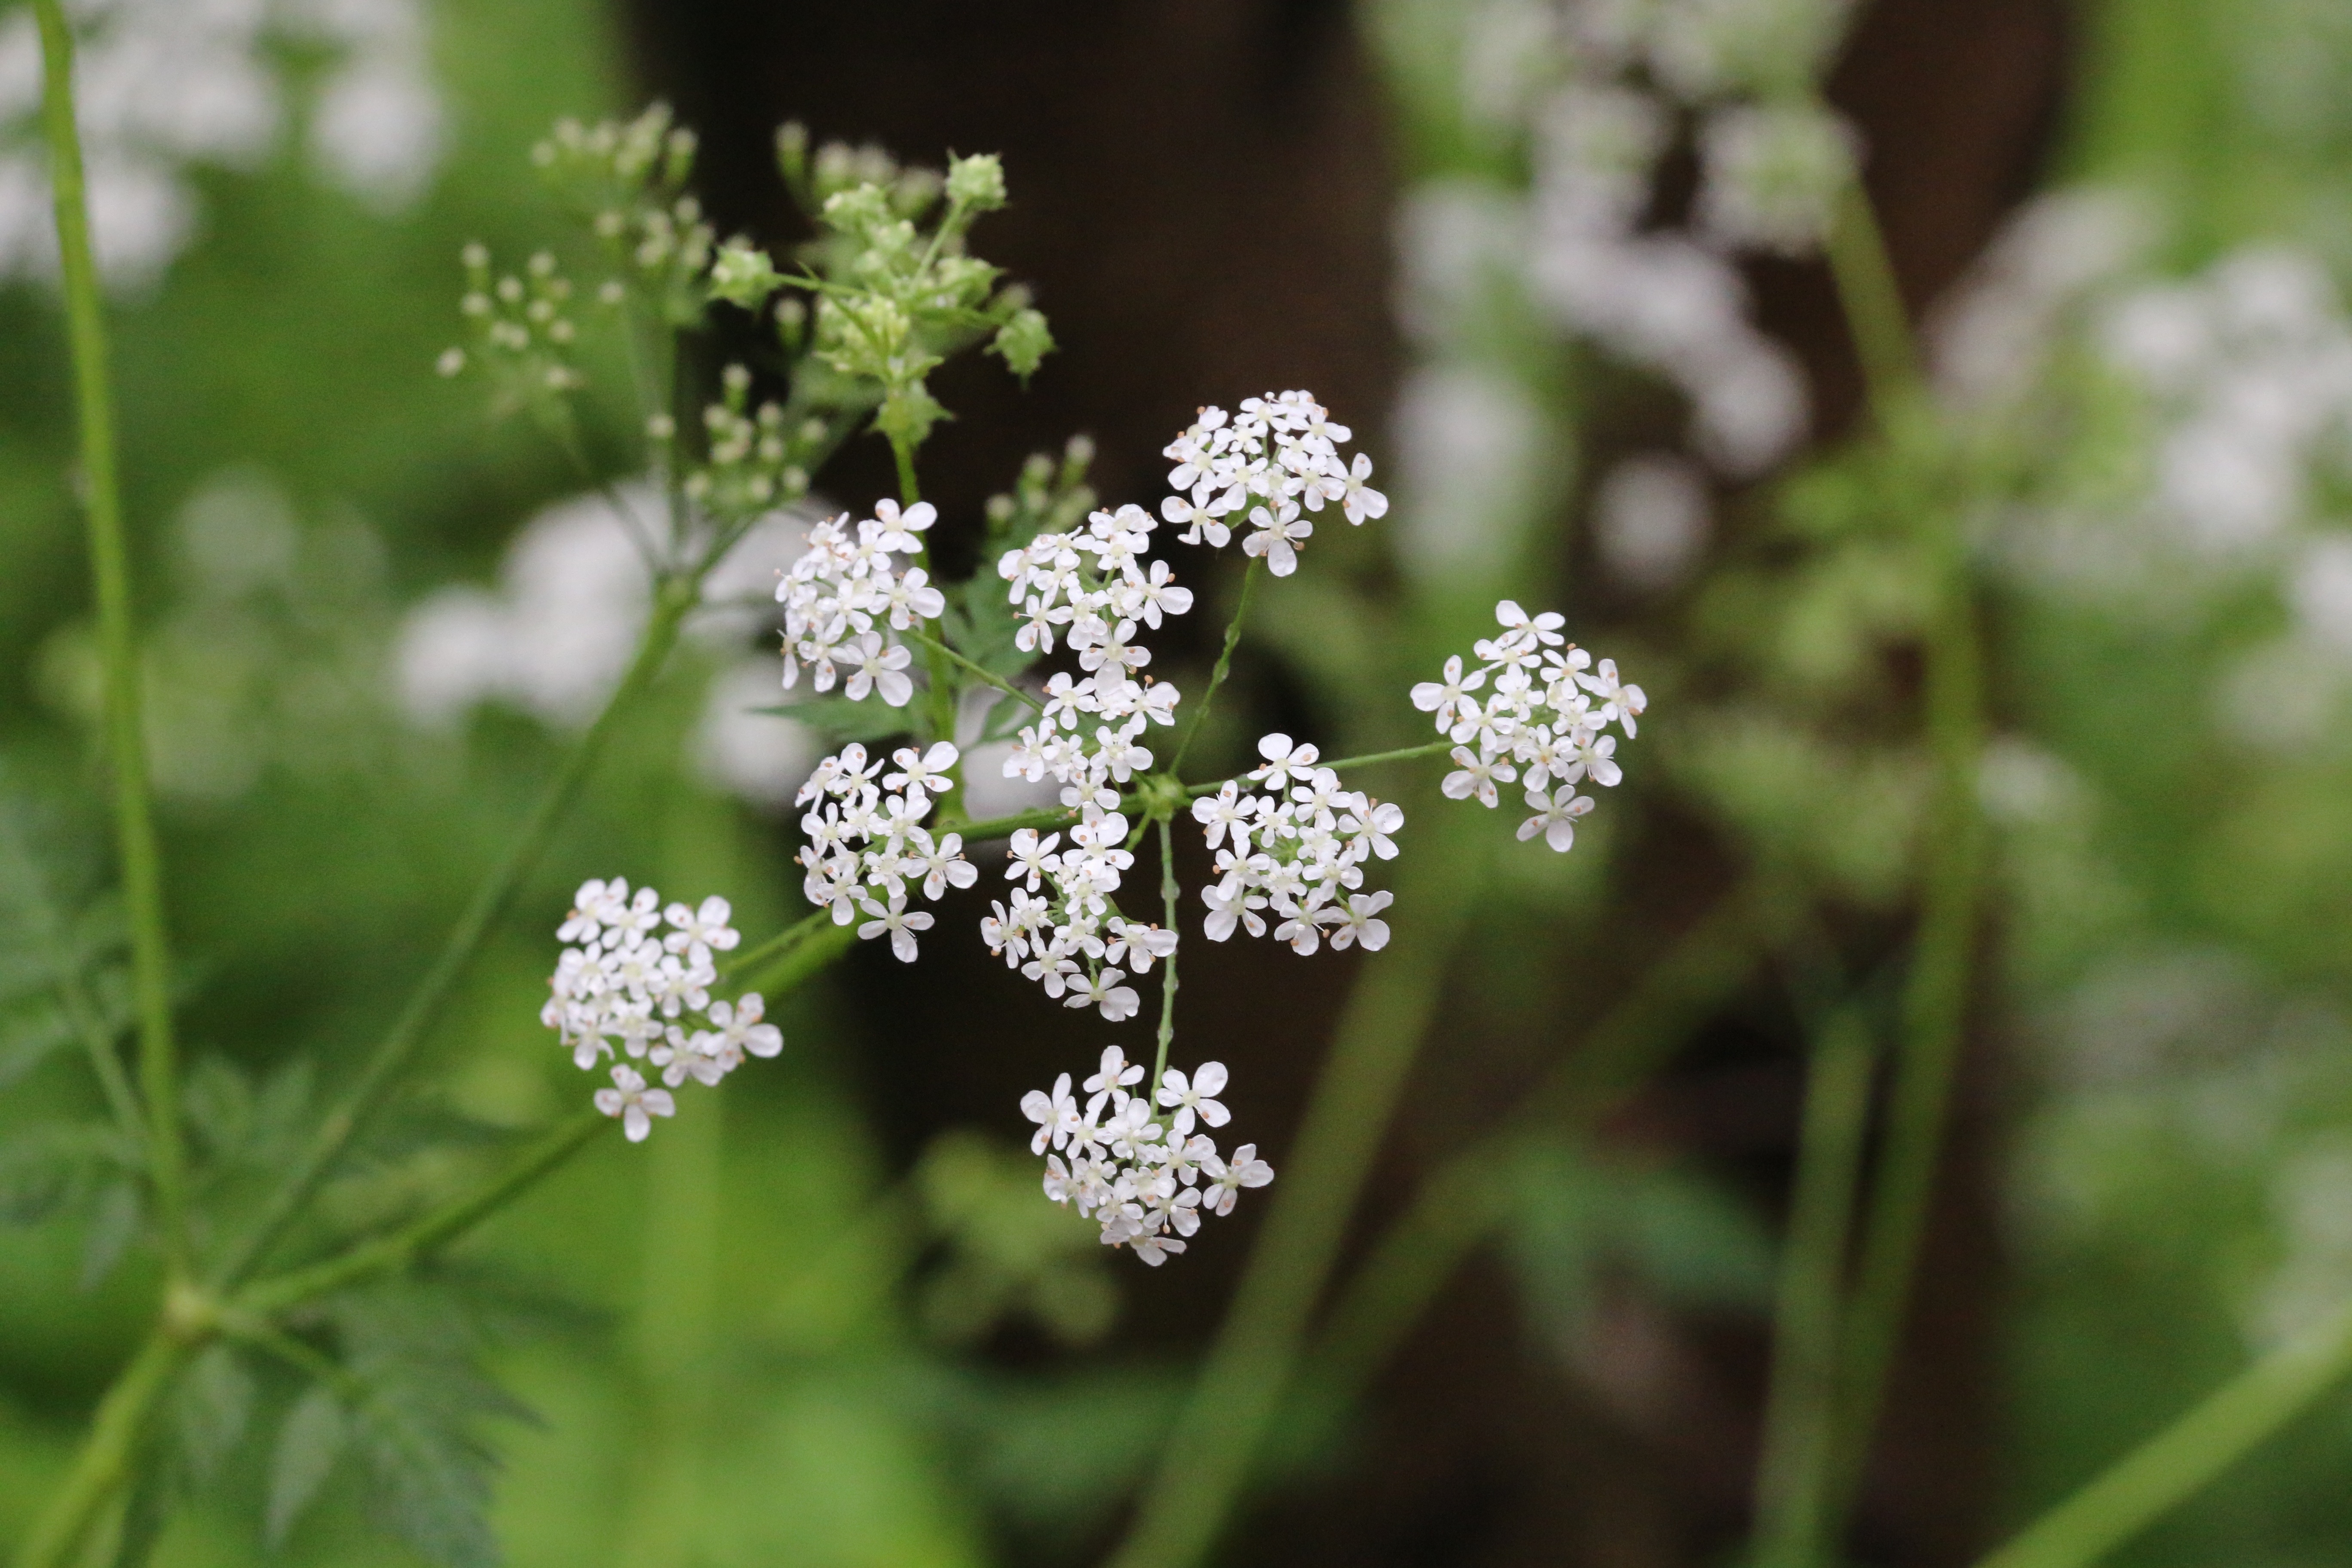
(1132,1160)
(1532,715)
(635,981)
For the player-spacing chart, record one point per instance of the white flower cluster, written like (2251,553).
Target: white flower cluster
(1541,725)
(845,595)
(1066,938)
(1298,849)
(1277,454)
(866,841)
(1145,1181)
(628,980)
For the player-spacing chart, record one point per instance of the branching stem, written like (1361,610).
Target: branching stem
(674,598)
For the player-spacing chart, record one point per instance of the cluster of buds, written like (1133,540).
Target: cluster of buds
(520,330)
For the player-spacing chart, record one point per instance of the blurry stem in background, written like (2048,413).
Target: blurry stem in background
(116,1434)
(674,597)
(1935,992)
(1224,1422)
(1457,1205)
(935,655)
(2182,1460)
(143,877)
(1800,1411)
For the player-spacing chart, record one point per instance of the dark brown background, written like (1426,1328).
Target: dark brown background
(1201,195)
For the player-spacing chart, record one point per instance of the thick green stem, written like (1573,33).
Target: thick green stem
(2187,1456)
(1224,662)
(104,1463)
(674,599)
(1935,997)
(1800,1417)
(1223,1423)
(134,825)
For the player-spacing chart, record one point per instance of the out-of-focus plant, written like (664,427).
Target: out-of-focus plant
(270,1262)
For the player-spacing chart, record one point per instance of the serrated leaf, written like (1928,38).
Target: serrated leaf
(411,1351)
(113,1222)
(213,1405)
(29,1039)
(308,1443)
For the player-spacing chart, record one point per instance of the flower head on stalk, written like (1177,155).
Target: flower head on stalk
(1538,725)
(1145,1177)
(625,988)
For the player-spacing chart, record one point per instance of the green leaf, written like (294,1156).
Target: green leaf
(309,1443)
(211,1406)
(411,1351)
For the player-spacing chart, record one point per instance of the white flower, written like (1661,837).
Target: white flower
(1055,1115)
(1358,500)
(923,770)
(881,669)
(1477,777)
(1103,991)
(1226,1181)
(1186,1097)
(697,932)
(739,1026)
(1556,816)
(1277,537)
(1114,1074)
(1446,698)
(901,922)
(634,1103)
(1359,926)
(1283,760)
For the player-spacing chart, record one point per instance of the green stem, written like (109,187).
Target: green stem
(825,943)
(674,599)
(1872,300)
(936,654)
(935,645)
(1800,1411)
(1224,662)
(404,1247)
(1223,1423)
(99,1044)
(1935,996)
(1168,895)
(142,879)
(1456,1207)
(2186,1457)
(103,1465)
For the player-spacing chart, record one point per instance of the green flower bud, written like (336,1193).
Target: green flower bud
(1022,343)
(976,183)
(743,275)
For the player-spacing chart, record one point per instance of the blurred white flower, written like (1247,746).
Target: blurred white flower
(1774,174)
(1651,519)
(165,85)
